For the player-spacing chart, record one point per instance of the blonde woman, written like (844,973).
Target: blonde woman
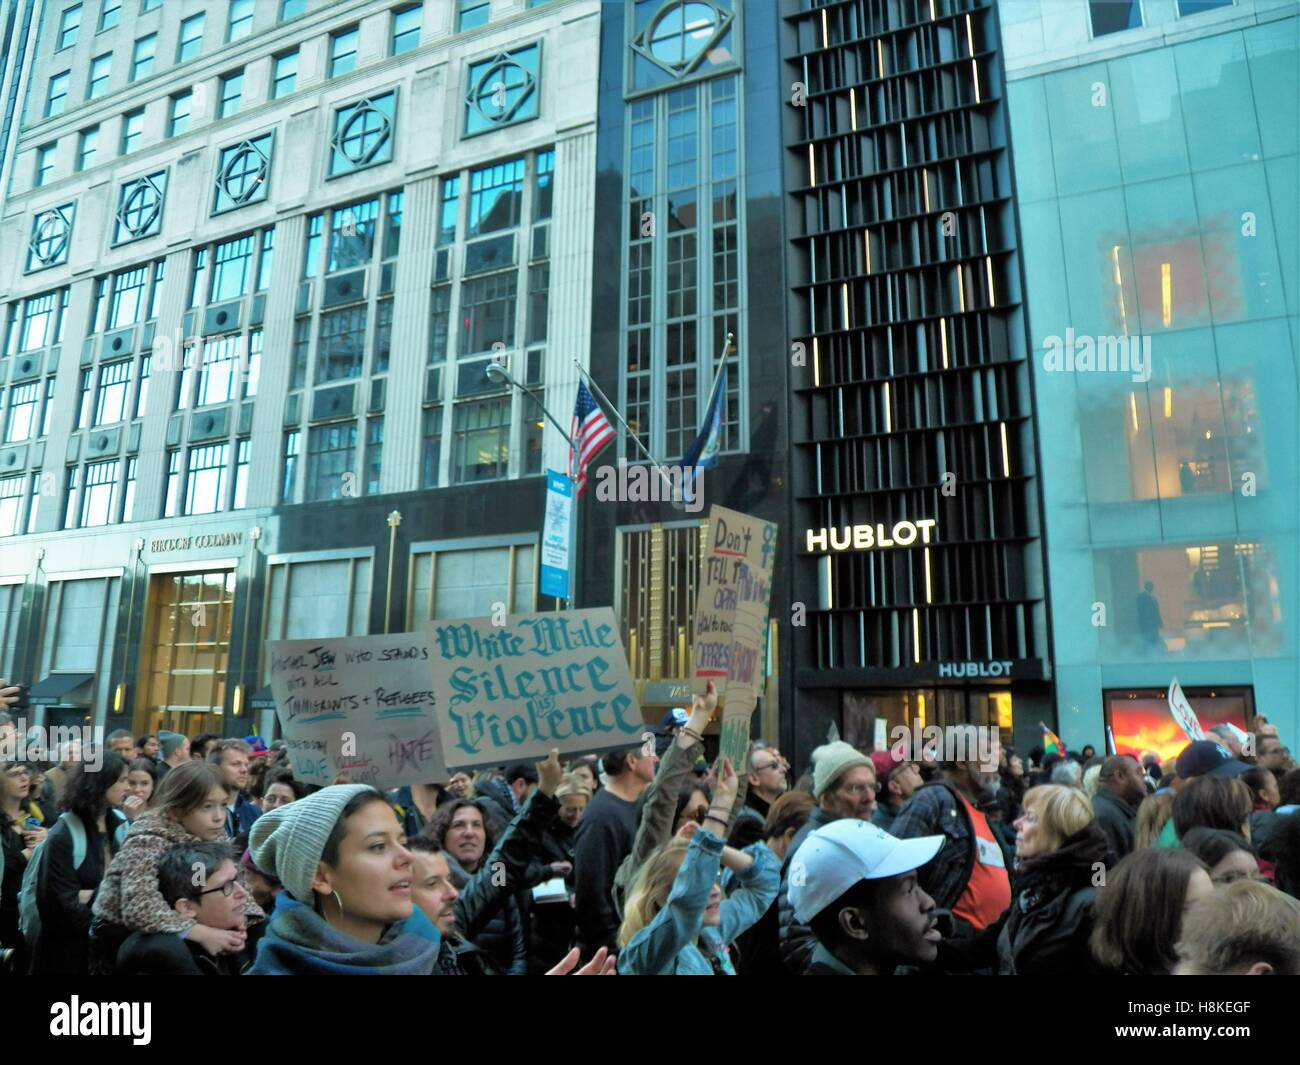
(1060,862)
(1152,816)
(676,921)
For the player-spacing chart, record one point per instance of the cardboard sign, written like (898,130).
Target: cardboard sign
(731,611)
(1183,712)
(513,692)
(360,705)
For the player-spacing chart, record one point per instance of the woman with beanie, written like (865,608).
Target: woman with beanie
(346,905)
(190,807)
(676,921)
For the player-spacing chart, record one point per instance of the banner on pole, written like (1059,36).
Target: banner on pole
(556,536)
(359,705)
(513,692)
(1183,712)
(731,610)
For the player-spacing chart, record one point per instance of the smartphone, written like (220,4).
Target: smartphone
(33,823)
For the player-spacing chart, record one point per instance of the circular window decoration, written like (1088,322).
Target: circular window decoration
(682,33)
(50,237)
(140,208)
(502,89)
(363,133)
(244,173)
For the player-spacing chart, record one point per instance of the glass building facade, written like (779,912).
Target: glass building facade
(1158,216)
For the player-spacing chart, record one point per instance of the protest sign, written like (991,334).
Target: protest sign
(360,705)
(513,692)
(731,611)
(1183,712)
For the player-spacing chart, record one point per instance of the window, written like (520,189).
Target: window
(383,336)
(406,29)
(252,365)
(100,68)
(331,450)
(481,440)
(191,38)
(41,323)
(143,56)
(142,393)
(496,197)
(343,52)
(171,501)
(140,207)
(471,13)
(1114,16)
(242,174)
(114,381)
(311,253)
(69,24)
(70,498)
(374,454)
(20,420)
(266,260)
(108,14)
(502,90)
(128,496)
(352,235)
(543,185)
(155,301)
(232,87)
(149,5)
(44,163)
(1195,7)
(206,483)
(290,465)
(241,20)
(51,234)
(342,344)
(222,365)
(230,267)
(128,298)
(363,134)
(132,130)
(179,121)
(291,9)
(35,496)
(284,74)
(11,504)
(487,307)
(450,205)
(87,145)
(239,498)
(431,457)
(57,102)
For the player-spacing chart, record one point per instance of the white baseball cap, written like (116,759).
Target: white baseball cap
(834,858)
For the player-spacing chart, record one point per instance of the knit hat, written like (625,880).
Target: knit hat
(168,742)
(287,842)
(833,760)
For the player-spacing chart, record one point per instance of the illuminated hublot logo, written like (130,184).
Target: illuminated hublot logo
(871,537)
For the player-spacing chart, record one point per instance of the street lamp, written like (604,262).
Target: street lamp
(394,520)
(497,373)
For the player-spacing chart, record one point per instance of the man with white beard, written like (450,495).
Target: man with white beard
(969,874)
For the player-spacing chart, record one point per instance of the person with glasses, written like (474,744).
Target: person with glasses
(1227,854)
(767,782)
(216,901)
(844,786)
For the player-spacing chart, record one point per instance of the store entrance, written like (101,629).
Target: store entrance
(186,653)
(931,706)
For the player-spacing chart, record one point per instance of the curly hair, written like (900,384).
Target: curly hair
(437,829)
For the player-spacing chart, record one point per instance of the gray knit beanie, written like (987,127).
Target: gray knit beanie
(832,761)
(168,742)
(288,842)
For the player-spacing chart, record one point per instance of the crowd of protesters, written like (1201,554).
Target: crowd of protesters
(204,855)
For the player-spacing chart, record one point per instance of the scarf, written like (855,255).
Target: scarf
(299,942)
(1067,868)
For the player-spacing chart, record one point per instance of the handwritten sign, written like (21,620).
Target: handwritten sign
(513,692)
(731,611)
(1183,712)
(360,705)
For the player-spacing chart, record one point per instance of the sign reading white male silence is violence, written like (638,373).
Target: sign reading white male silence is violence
(513,692)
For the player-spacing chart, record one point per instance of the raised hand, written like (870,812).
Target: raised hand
(549,774)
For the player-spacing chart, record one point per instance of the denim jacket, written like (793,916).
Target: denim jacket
(674,943)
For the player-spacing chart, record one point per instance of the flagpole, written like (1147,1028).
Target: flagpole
(663,476)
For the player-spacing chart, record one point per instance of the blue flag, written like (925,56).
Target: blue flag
(703,452)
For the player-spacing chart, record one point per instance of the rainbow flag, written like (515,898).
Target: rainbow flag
(1051,741)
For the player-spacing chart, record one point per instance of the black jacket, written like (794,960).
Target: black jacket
(936,809)
(164,954)
(604,838)
(63,947)
(1117,821)
(554,924)
(1045,931)
(796,938)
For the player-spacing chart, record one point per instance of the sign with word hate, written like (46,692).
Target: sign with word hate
(358,705)
(731,611)
(513,692)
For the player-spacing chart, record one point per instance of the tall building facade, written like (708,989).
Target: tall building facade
(1155,149)
(916,522)
(257,258)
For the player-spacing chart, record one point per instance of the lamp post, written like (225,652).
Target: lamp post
(394,520)
(497,372)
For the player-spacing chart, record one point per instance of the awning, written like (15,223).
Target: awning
(55,688)
(262,699)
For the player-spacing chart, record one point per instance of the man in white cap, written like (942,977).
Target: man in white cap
(856,886)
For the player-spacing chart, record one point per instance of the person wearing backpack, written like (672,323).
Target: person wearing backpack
(20,835)
(65,872)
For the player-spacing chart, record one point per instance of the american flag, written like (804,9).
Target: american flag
(591,432)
